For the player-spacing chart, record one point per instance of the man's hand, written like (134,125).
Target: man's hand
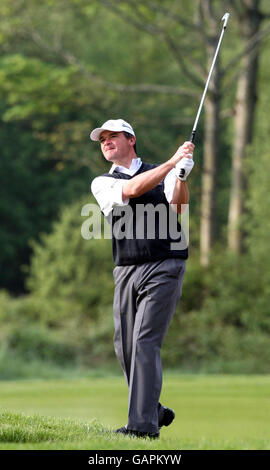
(184,164)
(148,180)
(186,150)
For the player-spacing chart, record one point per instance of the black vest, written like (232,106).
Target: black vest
(131,226)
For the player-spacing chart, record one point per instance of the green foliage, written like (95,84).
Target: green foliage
(32,348)
(30,198)
(227,326)
(44,345)
(33,88)
(64,68)
(219,326)
(55,87)
(257,170)
(71,275)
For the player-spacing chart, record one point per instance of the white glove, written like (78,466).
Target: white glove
(185,164)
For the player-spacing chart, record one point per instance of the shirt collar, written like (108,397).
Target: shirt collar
(134,167)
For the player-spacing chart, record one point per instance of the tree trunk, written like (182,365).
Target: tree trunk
(208,199)
(249,24)
(210,159)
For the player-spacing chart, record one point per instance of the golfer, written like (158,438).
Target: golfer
(148,274)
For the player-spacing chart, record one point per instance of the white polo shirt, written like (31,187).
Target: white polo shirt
(108,191)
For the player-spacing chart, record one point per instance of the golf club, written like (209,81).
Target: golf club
(225,18)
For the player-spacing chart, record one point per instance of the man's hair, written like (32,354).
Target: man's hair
(128,136)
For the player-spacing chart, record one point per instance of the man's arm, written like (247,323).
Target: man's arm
(180,194)
(148,180)
(108,193)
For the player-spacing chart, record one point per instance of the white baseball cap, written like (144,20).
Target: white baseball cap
(117,125)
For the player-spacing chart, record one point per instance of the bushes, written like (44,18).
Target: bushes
(230,330)
(38,342)
(195,342)
(70,275)
(222,322)
(66,319)
(221,325)
(30,347)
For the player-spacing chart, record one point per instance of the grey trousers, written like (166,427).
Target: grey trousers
(145,299)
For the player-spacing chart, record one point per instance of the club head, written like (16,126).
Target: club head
(225,18)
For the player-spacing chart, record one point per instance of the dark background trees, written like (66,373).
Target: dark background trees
(67,66)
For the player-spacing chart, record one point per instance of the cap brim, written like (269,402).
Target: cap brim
(96,133)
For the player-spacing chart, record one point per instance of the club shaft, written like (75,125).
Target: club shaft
(192,137)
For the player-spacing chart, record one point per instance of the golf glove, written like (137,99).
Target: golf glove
(185,164)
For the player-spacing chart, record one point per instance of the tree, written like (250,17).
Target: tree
(249,19)
(70,276)
(159,19)
(172,28)
(143,82)
(211,146)
(39,166)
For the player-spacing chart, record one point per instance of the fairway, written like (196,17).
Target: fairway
(212,412)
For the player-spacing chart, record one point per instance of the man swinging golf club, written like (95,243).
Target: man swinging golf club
(149,273)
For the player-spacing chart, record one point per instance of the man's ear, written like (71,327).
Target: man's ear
(132,141)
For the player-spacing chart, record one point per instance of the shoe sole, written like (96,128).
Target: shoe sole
(131,433)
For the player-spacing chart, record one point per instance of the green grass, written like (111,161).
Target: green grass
(212,412)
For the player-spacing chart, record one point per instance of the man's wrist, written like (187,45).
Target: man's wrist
(169,164)
(180,180)
(177,174)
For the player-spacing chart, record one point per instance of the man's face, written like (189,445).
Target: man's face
(115,146)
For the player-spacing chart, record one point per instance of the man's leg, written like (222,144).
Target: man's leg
(158,286)
(124,315)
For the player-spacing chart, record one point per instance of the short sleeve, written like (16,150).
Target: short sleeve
(169,184)
(108,193)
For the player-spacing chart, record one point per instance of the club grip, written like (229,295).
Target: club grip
(192,138)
